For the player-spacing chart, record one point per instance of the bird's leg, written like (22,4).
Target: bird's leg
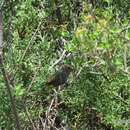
(59,88)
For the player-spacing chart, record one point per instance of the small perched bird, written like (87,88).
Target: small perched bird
(60,77)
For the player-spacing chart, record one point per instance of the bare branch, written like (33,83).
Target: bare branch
(125,57)
(7,83)
(30,43)
(1,33)
(63,54)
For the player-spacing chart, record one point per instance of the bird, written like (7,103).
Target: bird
(60,77)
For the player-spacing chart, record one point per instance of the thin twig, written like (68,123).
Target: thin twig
(30,43)
(125,57)
(28,116)
(30,86)
(63,54)
(47,113)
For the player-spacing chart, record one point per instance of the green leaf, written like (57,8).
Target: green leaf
(128,32)
(18,90)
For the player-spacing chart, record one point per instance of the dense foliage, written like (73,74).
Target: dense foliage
(93,37)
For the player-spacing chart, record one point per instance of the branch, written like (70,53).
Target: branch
(1,33)
(63,54)
(7,83)
(30,43)
(125,57)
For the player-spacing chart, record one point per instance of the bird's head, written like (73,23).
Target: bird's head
(67,68)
